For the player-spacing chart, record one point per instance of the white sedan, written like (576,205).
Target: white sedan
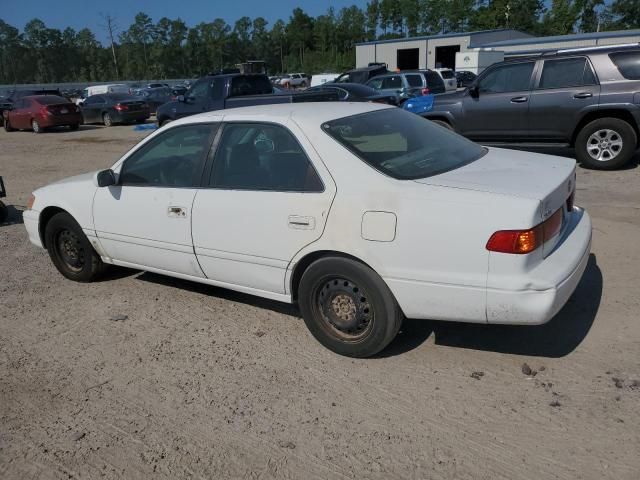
(360,213)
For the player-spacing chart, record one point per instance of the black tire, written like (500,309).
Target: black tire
(164,121)
(611,139)
(347,307)
(71,251)
(75,126)
(7,126)
(106,119)
(35,126)
(141,120)
(4,212)
(444,124)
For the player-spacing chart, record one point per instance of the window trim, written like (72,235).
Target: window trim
(532,79)
(207,177)
(213,126)
(540,71)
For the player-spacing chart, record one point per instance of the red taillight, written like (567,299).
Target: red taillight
(121,108)
(525,241)
(426,91)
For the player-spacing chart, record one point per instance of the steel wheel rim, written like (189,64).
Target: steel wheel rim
(35,126)
(344,309)
(107,119)
(604,145)
(70,250)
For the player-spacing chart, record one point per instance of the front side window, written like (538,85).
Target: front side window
(628,63)
(199,90)
(566,72)
(254,156)
(173,159)
(514,77)
(401,144)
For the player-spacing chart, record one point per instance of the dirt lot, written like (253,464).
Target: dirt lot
(199,382)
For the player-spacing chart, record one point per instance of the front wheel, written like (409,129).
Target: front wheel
(70,250)
(347,307)
(606,144)
(7,126)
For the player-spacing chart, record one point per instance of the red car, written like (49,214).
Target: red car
(42,111)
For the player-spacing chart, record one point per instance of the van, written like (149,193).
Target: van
(103,89)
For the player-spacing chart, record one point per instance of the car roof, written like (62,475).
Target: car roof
(307,114)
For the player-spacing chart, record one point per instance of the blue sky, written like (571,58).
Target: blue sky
(86,13)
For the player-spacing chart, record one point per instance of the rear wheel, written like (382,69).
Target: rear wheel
(35,126)
(106,119)
(75,126)
(443,123)
(70,250)
(7,126)
(606,144)
(4,212)
(347,307)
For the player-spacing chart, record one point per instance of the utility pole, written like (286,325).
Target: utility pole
(111,27)
(507,14)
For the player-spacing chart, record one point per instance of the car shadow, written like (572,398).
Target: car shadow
(14,216)
(557,338)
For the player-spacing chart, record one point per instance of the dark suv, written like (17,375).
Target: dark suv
(588,99)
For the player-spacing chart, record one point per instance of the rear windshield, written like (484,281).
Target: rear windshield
(50,99)
(628,63)
(433,79)
(446,74)
(250,85)
(403,145)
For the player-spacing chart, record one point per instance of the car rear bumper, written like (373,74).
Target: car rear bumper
(123,117)
(31,219)
(554,280)
(60,120)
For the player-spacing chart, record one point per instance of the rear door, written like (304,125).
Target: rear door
(499,111)
(92,108)
(267,197)
(565,90)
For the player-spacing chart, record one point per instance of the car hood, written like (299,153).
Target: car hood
(85,177)
(513,173)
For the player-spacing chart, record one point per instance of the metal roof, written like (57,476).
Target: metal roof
(559,38)
(441,35)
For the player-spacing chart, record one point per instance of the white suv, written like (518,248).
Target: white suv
(448,77)
(294,80)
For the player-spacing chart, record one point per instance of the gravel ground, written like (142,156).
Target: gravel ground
(142,376)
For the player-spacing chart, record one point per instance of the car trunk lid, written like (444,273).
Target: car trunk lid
(548,179)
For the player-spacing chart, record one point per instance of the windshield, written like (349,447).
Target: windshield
(446,74)
(403,145)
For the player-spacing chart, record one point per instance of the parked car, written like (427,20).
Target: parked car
(449,78)
(322,78)
(179,90)
(464,78)
(402,85)
(120,88)
(4,211)
(112,108)
(355,92)
(156,85)
(14,95)
(362,75)
(294,80)
(219,92)
(154,97)
(262,200)
(581,98)
(40,112)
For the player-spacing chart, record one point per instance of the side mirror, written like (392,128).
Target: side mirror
(106,178)
(473,91)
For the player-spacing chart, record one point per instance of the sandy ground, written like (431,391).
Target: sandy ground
(199,382)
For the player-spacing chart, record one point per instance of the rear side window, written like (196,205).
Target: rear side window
(566,72)
(414,80)
(446,74)
(514,77)
(628,63)
(250,85)
(433,79)
(402,145)
(392,82)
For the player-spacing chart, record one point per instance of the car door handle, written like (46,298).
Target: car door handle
(298,222)
(519,99)
(177,212)
(583,95)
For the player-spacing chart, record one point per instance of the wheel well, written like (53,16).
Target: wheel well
(302,265)
(441,118)
(591,116)
(46,215)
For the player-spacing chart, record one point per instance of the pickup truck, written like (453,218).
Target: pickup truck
(219,92)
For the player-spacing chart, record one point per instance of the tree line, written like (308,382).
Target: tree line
(169,48)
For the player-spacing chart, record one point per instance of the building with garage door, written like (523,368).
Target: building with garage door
(435,51)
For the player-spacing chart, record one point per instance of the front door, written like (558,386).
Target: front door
(145,220)
(268,196)
(499,110)
(92,109)
(565,90)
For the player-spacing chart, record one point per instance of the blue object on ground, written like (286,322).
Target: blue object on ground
(418,105)
(145,126)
